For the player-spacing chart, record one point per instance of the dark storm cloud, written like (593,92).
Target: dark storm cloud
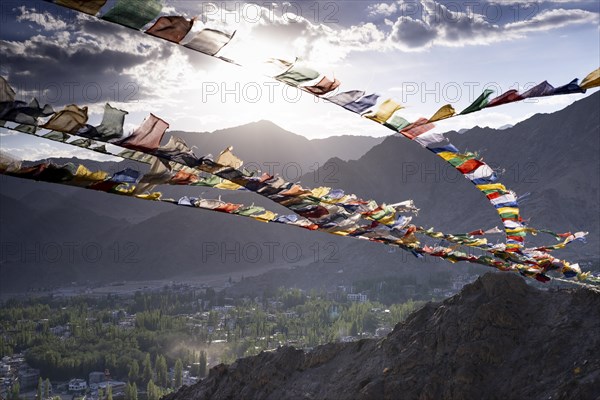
(87,62)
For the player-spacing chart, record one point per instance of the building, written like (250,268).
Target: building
(358,297)
(77,385)
(28,377)
(117,386)
(96,377)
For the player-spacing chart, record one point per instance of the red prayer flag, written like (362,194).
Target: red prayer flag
(469,166)
(505,98)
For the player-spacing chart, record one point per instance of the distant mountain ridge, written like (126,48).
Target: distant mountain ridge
(267,145)
(552,156)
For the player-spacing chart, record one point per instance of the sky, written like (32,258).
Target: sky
(421,53)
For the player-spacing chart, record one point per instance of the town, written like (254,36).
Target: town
(152,341)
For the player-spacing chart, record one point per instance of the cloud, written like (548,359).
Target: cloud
(384,9)
(553,19)
(412,33)
(89,61)
(441,26)
(528,2)
(46,20)
(407,26)
(436,25)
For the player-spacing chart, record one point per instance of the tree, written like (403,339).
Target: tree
(203,362)
(151,391)
(16,390)
(131,391)
(47,389)
(40,388)
(160,366)
(147,369)
(128,391)
(134,371)
(354,329)
(178,374)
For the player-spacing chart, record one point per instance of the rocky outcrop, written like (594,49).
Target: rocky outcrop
(499,338)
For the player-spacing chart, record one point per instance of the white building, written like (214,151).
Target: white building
(77,385)
(358,297)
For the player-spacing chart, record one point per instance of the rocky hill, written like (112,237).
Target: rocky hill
(499,338)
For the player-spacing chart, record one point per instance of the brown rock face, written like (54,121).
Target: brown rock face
(497,339)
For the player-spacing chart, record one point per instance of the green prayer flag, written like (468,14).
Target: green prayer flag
(57,136)
(26,128)
(133,13)
(297,75)
(81,143)
(251,210)
(479,103)
(112,122)
(396,123)
(210,181)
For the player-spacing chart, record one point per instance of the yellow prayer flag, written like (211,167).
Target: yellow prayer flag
(385,111)
(448,155)
(320,191)
(83,173)
(491,186)
(444,112)
(388,219)
(70,119)
(503,210)
(265,217)
(150,196)
(227,185)
(592,80)
(227,158)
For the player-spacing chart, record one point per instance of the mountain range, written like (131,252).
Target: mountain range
(265,145)
(554,157)
(550,160)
